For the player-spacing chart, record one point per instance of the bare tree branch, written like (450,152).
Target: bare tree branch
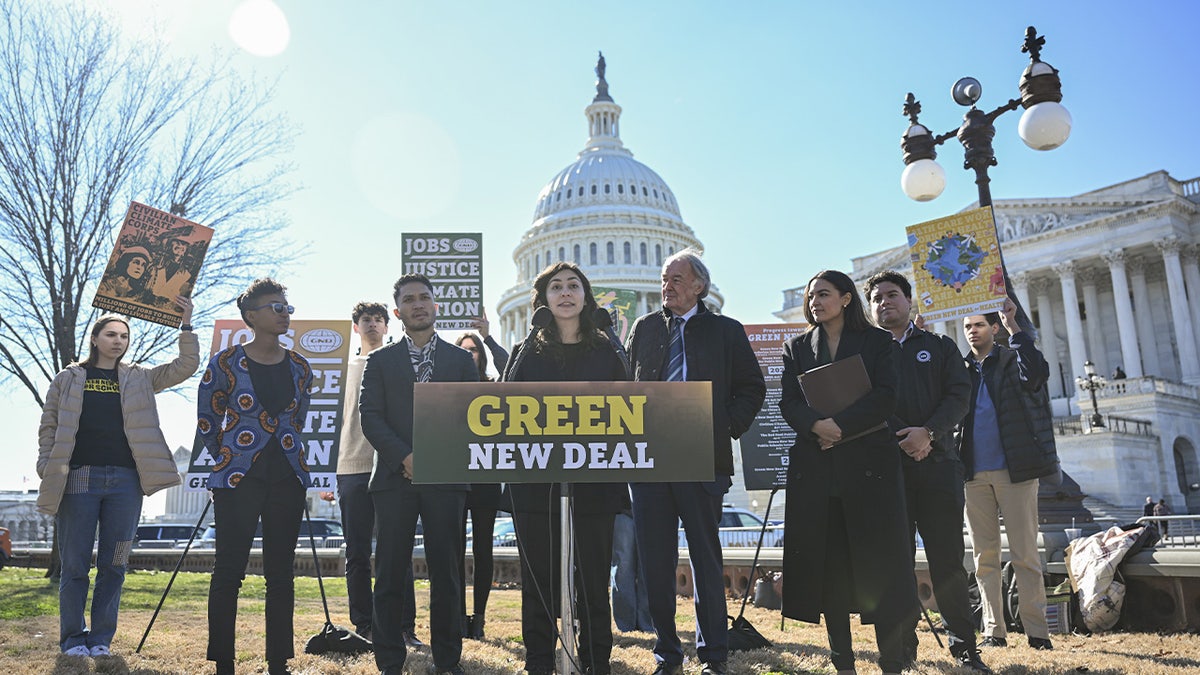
(90,121)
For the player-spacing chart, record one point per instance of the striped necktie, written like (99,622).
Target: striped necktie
(675,351)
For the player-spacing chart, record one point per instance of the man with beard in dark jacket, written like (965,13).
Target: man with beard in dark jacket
(1007,444)
(934,386)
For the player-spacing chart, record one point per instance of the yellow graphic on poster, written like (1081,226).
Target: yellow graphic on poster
(956,265)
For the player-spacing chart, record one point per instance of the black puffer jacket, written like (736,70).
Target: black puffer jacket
(1016,379)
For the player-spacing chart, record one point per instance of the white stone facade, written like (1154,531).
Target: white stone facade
(608,213)
(18,513)
(1111,276)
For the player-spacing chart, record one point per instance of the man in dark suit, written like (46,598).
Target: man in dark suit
(686,342)
(386,407)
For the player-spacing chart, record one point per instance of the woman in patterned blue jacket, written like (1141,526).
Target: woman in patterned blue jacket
(252,404)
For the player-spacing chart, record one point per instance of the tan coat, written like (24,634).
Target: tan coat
(64,403)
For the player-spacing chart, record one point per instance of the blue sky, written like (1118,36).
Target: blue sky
(777,125)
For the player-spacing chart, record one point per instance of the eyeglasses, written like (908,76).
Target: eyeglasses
(277,307)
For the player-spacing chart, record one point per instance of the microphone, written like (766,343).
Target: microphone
(603,320)
(541,318)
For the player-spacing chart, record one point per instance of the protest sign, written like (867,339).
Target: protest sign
(549,432)
(766,443)
(622,304)
(956,265)
(156,257)
(454,264)
(326,345)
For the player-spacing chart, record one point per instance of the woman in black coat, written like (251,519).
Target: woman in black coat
(847,548)
(570,349)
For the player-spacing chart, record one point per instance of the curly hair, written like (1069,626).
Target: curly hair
(369,309)
(257,289)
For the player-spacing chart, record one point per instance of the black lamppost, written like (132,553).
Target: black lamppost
(1093,382)
(1044,125)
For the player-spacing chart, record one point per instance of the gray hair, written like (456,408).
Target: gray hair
(692,256)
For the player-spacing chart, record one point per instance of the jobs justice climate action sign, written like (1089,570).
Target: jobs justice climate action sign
(454,264)
(326,345)
(549,432)
(766,443)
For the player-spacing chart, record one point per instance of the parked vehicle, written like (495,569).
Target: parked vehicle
(163,535)
(504,533)
(5,547)
(322,528)
(740,528)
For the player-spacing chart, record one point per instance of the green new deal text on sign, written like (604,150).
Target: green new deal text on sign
(549,432)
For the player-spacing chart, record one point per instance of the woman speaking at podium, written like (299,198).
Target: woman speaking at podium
(845,490)
(569,349)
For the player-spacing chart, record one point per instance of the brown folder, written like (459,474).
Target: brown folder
(833,387)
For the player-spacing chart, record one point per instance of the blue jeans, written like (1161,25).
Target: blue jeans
(630,605)
(110,496)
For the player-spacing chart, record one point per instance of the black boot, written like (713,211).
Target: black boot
(476,632)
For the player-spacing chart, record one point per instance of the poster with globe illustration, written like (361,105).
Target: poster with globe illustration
(956,265)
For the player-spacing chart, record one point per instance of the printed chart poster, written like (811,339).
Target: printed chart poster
(766,443)
(622,304)
(326,345)
(157,256)
(454,263)
(956,264)
(551,432)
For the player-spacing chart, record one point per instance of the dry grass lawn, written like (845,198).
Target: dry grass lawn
(29,629)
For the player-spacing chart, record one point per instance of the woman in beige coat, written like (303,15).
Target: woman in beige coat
(100,449)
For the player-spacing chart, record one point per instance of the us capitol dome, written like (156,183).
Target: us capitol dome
(608,213)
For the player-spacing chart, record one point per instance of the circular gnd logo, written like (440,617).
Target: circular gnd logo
(465,245)
(924,356)
(321,340)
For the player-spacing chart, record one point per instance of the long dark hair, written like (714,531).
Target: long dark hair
(548,338)
(854,316)
(96,328)
(481,358)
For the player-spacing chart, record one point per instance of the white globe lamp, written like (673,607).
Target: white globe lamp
(923,180)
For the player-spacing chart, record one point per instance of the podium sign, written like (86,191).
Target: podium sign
(551,432)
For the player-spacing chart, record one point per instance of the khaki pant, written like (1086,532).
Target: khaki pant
(990,495)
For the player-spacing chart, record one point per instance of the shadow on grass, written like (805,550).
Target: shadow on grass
(1177,661)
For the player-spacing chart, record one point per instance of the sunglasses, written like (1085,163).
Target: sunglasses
(277,307)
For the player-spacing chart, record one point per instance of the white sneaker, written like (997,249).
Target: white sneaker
(99,650)
(78,650)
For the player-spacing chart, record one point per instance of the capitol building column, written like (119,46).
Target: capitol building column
(1181,316)
(1076,348)
(1041,290)
(1191,275)
(1145,320)
(1020,282)
(1126,324)
(1089,276)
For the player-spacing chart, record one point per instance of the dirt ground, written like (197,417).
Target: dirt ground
(177,644)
